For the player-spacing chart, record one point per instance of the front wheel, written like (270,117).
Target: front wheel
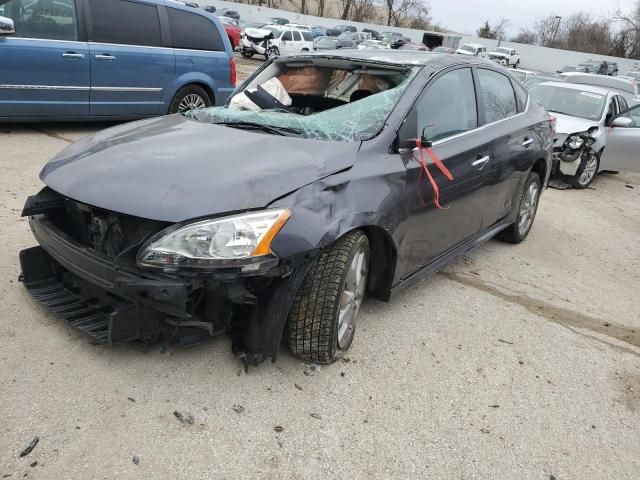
(586,171)
(272,52)
(322,319)
(191,97)
(246,53)
(527,209)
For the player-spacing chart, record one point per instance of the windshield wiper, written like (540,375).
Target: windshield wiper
(265,128)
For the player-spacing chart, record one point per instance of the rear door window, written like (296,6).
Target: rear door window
(40,19)
(497,96)
(307,36)
(296,36)
(287,36)
(124,23)
(193,32)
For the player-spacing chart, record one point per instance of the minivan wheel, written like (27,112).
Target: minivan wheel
(191,97)
(322,319)
(527,209)
(272,52)
(586,171)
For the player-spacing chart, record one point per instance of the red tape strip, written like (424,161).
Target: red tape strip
(441,166)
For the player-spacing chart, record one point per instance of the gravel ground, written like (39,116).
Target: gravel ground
(516,362)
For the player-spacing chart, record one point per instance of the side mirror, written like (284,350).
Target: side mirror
(7,27)
(406,145)
(622,122)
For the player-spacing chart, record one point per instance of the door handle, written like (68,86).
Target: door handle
(527,142)
(105,57)
(73,55)
(481,162)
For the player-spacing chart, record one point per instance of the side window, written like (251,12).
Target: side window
(611,111)
(622,104)
(448,107)
(634,115)
(296,36)
(193,32)
(307,36)
(44,19)
(287,36)
(126,23)
(497,96)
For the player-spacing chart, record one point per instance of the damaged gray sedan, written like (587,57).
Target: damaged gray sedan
(326,178)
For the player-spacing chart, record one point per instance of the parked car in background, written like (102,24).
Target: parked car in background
(257,25)
(628,89)
(633,74)
(192,4)
(444,50)
(209,8)
(114,62)
(373,45)
(278,20)
(473,49)
(573,68)
(336,207)
(227,12)
(318,31)
(414,46)
(332,32)
(541,78)
(231,26)
(275,40)
(586,113)
(523,75)
(346,28)
(505,56)
(600,67)
(298,26)
(333,43)
(394,39)
(375,35)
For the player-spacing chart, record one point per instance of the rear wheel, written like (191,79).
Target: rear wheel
(322,319)
(586,171)
(191,97)
(246,53)
(518,230)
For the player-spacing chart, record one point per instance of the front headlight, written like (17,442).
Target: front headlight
(574,142)
(214,242)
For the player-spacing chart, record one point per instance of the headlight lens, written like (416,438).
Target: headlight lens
(203,244)
(574,142)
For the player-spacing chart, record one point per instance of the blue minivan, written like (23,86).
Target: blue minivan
(110,59)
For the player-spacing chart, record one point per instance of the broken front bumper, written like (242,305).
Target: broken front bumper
(113,303)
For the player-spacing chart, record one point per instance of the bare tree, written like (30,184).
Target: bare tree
(320,8)
(627,41)
(498,32)
(546,30)
(526,36)
(399,12)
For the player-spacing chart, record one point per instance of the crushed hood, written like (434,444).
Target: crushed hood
(567,124)
(174,169)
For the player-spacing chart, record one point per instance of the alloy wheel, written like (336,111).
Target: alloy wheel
(191,102)
(589,171)
(352,296)
(528,209)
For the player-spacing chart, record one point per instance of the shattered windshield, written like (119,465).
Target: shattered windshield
(350,102)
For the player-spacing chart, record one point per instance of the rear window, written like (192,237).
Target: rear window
(125,23)
(193,32)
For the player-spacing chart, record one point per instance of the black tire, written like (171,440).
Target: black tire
(517,64)
(272,52)
(314,316)
(515,233)
(246,54)
(580,182)
(184,92)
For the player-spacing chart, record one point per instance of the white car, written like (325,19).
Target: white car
(373,45)
(523,75)
(505,56)
(627,88)
(275,40)
(474,49)
(298,26)
(605,114)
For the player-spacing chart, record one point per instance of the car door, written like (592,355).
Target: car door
(512,141)
(296,44)
(447,113)
(44,65)
(286,42)
(130,64)
(623,142)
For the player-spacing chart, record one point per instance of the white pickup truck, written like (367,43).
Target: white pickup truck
(505,56)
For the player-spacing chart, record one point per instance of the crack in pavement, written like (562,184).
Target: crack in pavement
(53,135)
(563,316)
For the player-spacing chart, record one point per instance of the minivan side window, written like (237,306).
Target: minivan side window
(287,36)
(497,96)
(193,32)
(47,20)
(448,107)
(124,23)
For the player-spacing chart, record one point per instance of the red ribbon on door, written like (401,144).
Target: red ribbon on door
(441,166)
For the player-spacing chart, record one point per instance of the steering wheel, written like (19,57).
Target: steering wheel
(266,101)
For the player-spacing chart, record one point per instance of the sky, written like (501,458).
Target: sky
(465,16)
